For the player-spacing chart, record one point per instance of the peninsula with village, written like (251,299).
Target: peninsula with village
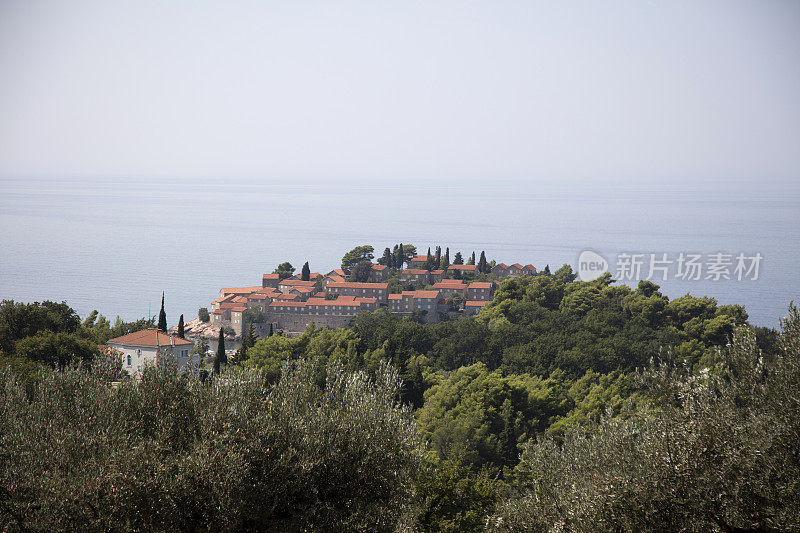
(428,288)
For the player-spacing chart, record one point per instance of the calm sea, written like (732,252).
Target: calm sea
(116,244)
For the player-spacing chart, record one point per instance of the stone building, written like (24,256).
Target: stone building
(380,291)
(151,346)
(480,290)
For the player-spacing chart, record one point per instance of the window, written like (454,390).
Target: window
(129,359)
(139,353)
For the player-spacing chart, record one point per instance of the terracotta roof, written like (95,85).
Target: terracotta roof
(240,290)
(336,277)
(238,309)
(355,285)
(439,271)
(501,265)
(463,267)
(415,271)
(239,299)
(517,265)
(267,290)
(480,285)
(531,267)
(258,296)
(312,276)
(474,303)
(419,258)
(365,300)
(425,294)
(227,305)
(285,297)
(379,267)
(218,312)
(337,272)
(150,337)
(271,276)
(395,296)
(449,284)
(297,283)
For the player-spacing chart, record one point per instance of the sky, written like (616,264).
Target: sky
(452,90)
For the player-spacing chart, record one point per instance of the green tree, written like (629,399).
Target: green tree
(386,259)
(181,332)
(429,260)
(305,274)
(357,255)
(162,316)
(284,270)
(482,266)
(715,453)
(221,358)
(360,273)
(203,315)
(471,260)
(399,258)
(445,259)
(458,259)
(438,259)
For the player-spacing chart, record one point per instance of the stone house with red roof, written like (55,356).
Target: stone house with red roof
(151,346)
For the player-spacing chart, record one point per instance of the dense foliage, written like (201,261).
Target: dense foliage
(718,452)
(536,413)
(322,449)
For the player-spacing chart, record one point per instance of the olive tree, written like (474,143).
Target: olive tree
(322,449)
(716,452)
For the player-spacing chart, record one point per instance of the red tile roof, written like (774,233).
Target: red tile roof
(356,285)
(325,302)
(238,309)
(378,267)
(150,337)
(337,272)
(395,296)
(468,268)
(239,299)
(426,295)
(286,297)
(415,271)
(439,271)
(271,276)
(218,312)
(364,300)
(450,284)
(258,296)
(473,303)
(297,283)
(419,258)
(336,278)
(480,285)
(240,290)
(501,265)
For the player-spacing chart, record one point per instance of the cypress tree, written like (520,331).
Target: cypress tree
(222,357)
(458,259)
(162,316)
(180,328)
(270,329)
(438,259)
(305,274)
(399,259)
(387,258)
(446,259)
(429,262)
(482,263)
(471,259)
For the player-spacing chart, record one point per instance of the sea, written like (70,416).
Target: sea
(117,244)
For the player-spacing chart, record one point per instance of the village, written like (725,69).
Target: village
(290,304)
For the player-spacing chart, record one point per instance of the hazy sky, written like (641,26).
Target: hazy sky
(635,90)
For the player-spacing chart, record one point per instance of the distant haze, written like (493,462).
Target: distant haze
(635,91)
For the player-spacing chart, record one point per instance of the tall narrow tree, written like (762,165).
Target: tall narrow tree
(438,259)
(305,274)
(162,316)
(270,329)
(399,258)
(387,258)
(458,259)
(221,357)
(482,263)
(429,261)
(446,259)
(181,331)
(471,259)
